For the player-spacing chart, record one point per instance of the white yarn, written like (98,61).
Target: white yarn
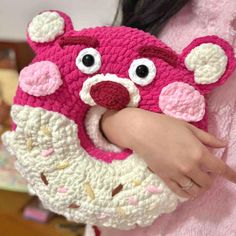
(46,27)
(208,61)
(86,182)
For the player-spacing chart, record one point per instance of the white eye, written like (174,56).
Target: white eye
(89,60)
(142,71)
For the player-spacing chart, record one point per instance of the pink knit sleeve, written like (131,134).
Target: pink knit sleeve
(201,18)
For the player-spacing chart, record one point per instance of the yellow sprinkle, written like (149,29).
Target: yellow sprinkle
(121,211)
(88,189)
(151,208)
(29,144)
(47,131)
(62,165)
(137,182)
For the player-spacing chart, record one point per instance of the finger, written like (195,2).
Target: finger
(176,188)
(218,167)
(193,191)
(227,173)
(206,138)
(203,180)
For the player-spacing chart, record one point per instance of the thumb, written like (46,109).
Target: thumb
(206,138)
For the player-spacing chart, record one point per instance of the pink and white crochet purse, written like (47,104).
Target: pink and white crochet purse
(75,77)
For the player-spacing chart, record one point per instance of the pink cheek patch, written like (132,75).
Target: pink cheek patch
(182,101)
(40,79)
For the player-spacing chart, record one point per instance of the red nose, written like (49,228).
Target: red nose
(110,95)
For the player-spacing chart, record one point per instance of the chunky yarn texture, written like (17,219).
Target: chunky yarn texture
(75,77)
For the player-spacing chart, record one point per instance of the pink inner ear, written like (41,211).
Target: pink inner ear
(40,79)
(182,101)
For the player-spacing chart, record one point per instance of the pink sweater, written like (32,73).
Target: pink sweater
(214,213)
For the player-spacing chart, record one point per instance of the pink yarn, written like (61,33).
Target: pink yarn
(48,152)
(40,79)
(182,101)
(117,51)
(153,189)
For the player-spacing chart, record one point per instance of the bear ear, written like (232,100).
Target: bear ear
(46,28)
(211,59)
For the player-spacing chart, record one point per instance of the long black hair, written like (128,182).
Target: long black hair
(148,15)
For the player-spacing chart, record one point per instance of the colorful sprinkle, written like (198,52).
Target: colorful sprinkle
(74,206)
(48,152)
(121,211)
(44,179)
(116,190)
(62,189)
(103,216)
(153,189)
(132,201)
(29,144)
(62,165)
(47,131)
(137,182)
(88,189)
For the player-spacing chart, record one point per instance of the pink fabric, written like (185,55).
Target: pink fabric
(62,189)
(40,79)
(214,213)
(182,101)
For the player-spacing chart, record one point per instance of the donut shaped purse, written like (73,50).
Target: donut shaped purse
(75,77)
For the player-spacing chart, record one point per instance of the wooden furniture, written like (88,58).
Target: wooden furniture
(13,224)
(23,52)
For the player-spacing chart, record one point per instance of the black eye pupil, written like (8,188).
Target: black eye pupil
(142,71)
(88,60)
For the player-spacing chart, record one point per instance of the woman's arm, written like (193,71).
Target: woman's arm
(172,148)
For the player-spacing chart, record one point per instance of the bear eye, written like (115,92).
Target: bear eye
(89,60)
(142,71)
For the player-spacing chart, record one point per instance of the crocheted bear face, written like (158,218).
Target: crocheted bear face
(75,77)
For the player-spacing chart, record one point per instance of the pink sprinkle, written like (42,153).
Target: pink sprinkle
(47,152)
(132,201)
(62,190)
(153,189)
(103,216)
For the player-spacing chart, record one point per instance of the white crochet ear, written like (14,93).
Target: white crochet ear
(46,27)
(208,61)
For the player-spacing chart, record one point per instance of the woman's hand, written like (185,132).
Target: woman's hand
(175,150)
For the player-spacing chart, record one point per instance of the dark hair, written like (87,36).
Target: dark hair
(148,15)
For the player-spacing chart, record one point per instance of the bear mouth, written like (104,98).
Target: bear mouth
(94,142)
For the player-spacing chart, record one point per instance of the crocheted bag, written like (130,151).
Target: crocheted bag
(75,77)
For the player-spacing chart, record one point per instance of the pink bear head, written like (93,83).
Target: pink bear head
(76,72)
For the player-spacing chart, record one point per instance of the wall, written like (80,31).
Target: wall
(15,14)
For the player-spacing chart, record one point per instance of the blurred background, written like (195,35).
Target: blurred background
(21,214)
